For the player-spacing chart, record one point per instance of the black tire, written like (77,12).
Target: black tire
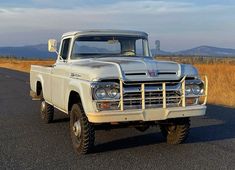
(81,130)
(47,112)
(175,131)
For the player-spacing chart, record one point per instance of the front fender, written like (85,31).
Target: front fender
(82,87)
(188,70)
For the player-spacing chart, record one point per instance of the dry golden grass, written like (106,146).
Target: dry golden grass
(221,83)
(221,78)
(22,65)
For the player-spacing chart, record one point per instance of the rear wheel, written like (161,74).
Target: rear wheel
(81,130)
(175,131)
(47,112)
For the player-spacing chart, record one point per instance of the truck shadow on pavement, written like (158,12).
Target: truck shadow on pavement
(217,125)
(61,120)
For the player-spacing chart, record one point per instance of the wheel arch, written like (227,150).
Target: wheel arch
(39,85)
(74,97)
(81,89)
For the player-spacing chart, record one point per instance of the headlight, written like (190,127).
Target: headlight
(193,89)
(196,89)
(105,90)
(100,93)
(113,92)
(188,90)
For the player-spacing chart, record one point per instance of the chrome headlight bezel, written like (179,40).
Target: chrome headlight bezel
(111,90)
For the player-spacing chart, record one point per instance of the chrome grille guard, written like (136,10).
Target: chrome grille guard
(163,94)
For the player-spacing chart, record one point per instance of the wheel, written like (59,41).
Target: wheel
(81,130)
(175,131)
(47,112)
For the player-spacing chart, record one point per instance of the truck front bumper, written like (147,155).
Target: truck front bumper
(153,114)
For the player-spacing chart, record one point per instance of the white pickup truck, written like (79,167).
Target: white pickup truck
(108,79)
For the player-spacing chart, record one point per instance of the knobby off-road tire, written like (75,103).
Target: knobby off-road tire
(81,130)
(175,131)
(46,111)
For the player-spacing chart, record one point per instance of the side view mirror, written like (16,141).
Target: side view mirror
(52,45)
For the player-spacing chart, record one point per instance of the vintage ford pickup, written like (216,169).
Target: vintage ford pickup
(107,79)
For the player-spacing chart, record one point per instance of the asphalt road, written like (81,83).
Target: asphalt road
(27,143)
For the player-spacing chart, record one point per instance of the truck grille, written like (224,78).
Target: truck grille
(132,97)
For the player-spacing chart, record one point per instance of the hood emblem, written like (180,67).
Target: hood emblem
(153,73)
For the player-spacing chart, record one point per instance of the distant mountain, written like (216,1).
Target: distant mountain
(84,49)
(32,51)
(160,52)
(207,51)
(40,51)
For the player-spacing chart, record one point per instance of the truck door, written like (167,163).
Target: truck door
(60,75)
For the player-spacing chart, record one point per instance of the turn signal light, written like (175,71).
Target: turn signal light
(190,101)
(105,105)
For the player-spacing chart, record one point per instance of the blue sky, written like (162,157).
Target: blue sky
(178,24)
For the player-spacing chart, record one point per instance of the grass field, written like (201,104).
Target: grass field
(22,65)
(221,75)
(221,83)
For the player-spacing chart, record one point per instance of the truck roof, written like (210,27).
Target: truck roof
(106,32)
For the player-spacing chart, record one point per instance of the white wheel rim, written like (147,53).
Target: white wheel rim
(43,106)
(77,128)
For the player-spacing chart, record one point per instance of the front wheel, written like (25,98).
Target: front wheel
(175,131)
(81,130)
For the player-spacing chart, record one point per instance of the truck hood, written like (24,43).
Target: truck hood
(130,69)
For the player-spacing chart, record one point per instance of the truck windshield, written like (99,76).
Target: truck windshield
(109,46)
